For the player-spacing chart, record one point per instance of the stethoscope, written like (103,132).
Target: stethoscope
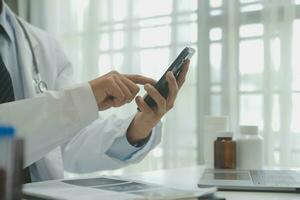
(39,84)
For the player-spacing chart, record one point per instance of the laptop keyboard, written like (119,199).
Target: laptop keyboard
(275,177)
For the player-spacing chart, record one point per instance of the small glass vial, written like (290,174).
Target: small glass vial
(11,164)
(225,151)
(6,162)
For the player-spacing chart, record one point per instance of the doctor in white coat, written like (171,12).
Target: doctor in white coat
(61,126)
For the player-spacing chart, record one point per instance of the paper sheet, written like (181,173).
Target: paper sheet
(106,188)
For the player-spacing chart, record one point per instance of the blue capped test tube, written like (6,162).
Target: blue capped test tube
(7,135)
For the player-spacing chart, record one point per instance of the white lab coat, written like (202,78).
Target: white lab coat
(62,130)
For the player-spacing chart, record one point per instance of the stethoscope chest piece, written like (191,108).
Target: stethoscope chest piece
(42,87)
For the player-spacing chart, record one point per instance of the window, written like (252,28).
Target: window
(251,77)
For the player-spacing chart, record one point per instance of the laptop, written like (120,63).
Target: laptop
(251,180)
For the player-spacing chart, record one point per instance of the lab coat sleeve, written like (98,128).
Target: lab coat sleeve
(86,152)
(49,120)
(122,149)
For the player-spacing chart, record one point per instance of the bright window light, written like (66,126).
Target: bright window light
(276,157)
(119,9)
(275,53)
(252,7)
(187,5)
(104,64)
(216,88)
(251,111)
(216,104)
(188,17)
(103,11)
(215,34)
(215,57)
(104,41)
(295,157)
(118,26)
(251,30)
(276,113)
(118,40)
(154,62)
(118,61)
(79,8)
(215,3)
(251,57)
(146,8)
(187,33)
(151,37)
(251,64)
(275,61)
(155,22)
(249,1)
(295,126)
(296,57)
(216,12)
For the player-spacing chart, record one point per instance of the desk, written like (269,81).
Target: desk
(188,177)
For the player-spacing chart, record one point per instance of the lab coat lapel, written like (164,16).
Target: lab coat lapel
(51,165)
(25,59)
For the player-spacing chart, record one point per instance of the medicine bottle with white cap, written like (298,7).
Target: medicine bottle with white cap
(250,151)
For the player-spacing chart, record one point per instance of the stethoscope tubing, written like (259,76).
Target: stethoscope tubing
(41,86)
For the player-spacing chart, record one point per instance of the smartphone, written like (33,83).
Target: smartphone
(176,68)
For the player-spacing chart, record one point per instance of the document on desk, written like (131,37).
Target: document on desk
(107,188)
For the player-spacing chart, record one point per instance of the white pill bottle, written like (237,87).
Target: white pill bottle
(249,148)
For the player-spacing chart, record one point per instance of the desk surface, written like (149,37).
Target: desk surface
(188,177)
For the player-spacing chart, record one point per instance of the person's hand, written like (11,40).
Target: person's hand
(147,118)
(115,89)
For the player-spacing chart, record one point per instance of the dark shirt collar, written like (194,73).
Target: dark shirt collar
(1,5)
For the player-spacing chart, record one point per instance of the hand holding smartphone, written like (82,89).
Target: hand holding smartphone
(175,68)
